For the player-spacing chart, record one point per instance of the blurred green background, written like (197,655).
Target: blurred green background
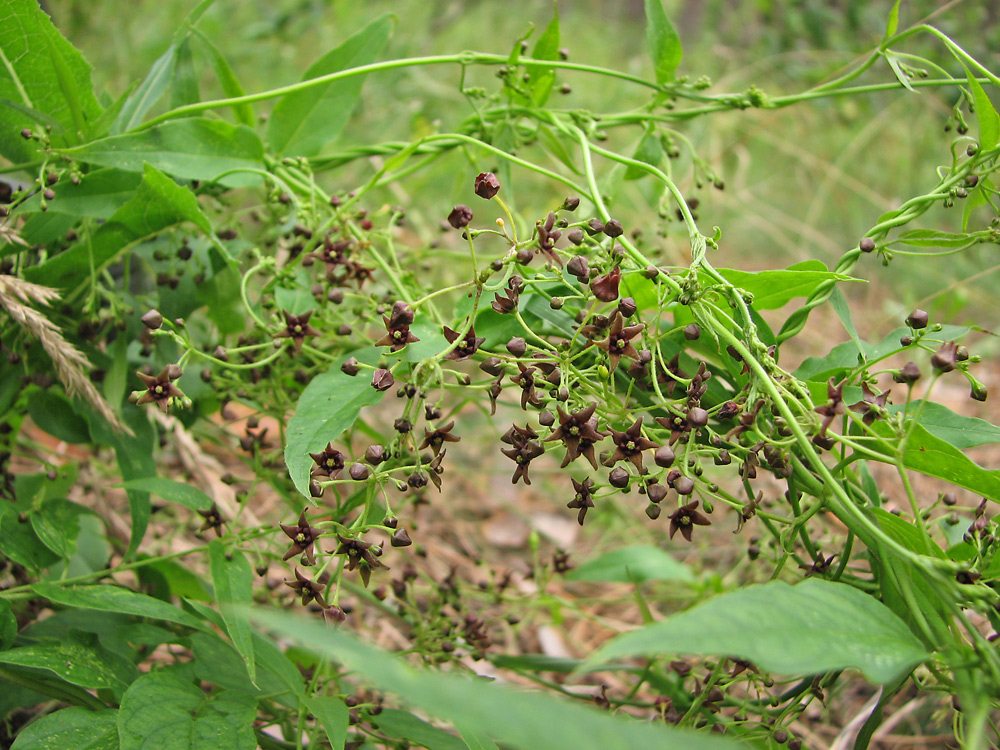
(802,182)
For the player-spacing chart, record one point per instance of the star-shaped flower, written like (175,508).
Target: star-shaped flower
(629,446)
(397,326)
(579,433)
(871,406)
(468,346)
(522,451)
(213,520)
(297,328)
(303,538)
(309,590)
(435,439)
(583,499)
(618,344)
(329,463)
(685,517)
(160,389)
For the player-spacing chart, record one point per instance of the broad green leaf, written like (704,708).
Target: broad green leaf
(546,48)
(8,623)
(977,197)
(166,579)
(989,120)
(403,725)
(174,492)
(893,21)
(935,457)
(772,290)
(942,422)
(843,310)
(898,71)
(649,151)
(305,121)
(108,598)
(632,564)
(74,727)
(536,663)
(907,534)
(57,524)
(328,406)
(232,579)
(98,195)
(217,662)
(36,64)
(333,717)
(158,203)
(813,627)
(54,414)
(664,43)
(475,738)
(161,711)
(78,659)
(183,77)
(135,461)
(18,540)
(934,238)
(195,148)
(147,94)
(227,79)
(510,716)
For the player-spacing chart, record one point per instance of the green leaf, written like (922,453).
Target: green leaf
(508,715)
(232,578)
(935,457)
(843,310)
(57,524)
(772,290)
(961,432)
(977,197)
(329,405)
(108,598)
(649,151)
(38,68)
(664,43)
(813,627)
(546,48)
(989,120)
(149,92)
(195,148)
(632,564)
(305,121)
(898,71)
(98,195)
(934,238)
(907,534)
(158,203)
(54,414)
(174,492)
(183,77)
(78,659)
(333,717)
(8,623)
(893,21)
(18,540)
(74,727)
(403,725)
(161,711)
(227,79)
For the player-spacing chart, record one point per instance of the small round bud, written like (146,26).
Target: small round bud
(684,485)
(517,346)
(460,216)
(350,367)
(487,185)
(152,320)
(917,319)
(359,472)
(614,228)
(664,456)
(866,245)
(618,477)
(692,331)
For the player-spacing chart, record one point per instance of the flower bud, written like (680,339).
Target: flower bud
(359,472)
(382,379)
(613,228)
(866,245)
(350,367)
(917,319)
(618,477)
(487,185)
(152,320)
(664,456)
(460,216)
(517,346)
(594,226)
